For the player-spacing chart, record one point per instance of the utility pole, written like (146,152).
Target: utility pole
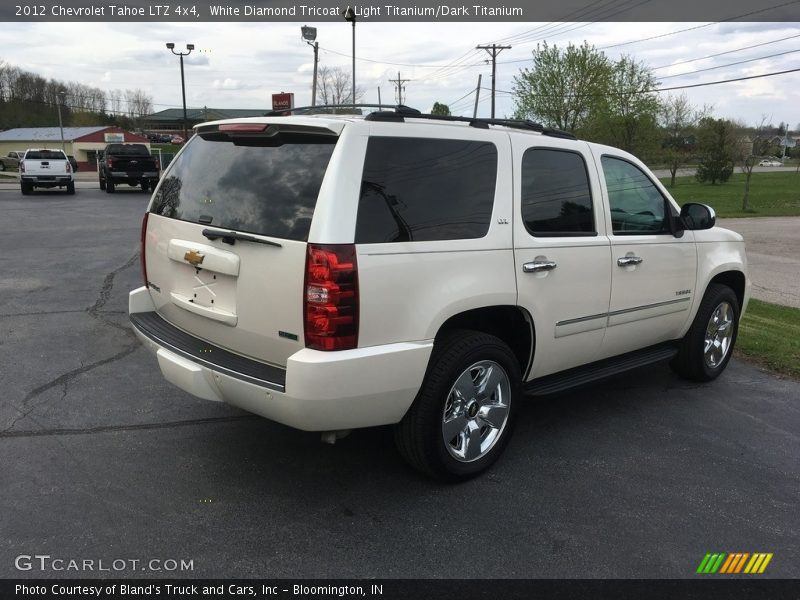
(493,51)
(477,97)
(399,87)
(379,98)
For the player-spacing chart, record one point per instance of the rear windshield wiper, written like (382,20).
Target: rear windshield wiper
(230,237)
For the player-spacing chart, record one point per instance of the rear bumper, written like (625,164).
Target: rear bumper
(317,391)
(46,180)
(132,175)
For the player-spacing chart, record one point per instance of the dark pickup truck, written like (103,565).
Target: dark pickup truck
(127,163)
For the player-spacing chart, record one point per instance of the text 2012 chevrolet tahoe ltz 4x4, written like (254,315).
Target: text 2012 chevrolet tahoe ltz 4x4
(334,272)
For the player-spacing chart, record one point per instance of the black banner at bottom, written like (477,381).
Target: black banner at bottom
(390,589)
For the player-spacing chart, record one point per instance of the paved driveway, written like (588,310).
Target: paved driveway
(100,458)
(773,255)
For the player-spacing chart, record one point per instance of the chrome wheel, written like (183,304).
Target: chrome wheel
(719,333)
(476,411)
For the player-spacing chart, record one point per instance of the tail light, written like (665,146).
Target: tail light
(158,164)
(330,304)
(142,250)
(69,167)
(109,163)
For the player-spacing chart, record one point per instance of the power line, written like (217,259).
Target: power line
(733,64)
(677,87)
(654,37)
(683,62)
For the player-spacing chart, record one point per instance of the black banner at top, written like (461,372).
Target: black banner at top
(192,11)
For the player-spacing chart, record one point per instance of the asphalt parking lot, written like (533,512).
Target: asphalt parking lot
(101,459)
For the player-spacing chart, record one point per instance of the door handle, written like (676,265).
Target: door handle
(539,266)
(629,261)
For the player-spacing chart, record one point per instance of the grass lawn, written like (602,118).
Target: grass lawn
(771,194)
(167,148)
(770,335)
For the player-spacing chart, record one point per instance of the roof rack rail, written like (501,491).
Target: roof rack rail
(327,108)
(479,122)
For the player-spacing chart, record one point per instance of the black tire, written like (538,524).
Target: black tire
(71,188)
(2,166)
(691,361)
(25,188)
(145,186)
(102,183)
(420,436)
(110,188)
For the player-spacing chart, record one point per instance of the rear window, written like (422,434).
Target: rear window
(421,189)
(263,185)
(45,155)
(128,149)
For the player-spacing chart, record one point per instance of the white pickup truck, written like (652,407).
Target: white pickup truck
(45,169)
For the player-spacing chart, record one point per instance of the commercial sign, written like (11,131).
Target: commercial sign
(282,101)
(114,138)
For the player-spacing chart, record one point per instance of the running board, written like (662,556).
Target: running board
(579,376)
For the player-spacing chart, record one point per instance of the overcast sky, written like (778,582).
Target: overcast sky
(239,65)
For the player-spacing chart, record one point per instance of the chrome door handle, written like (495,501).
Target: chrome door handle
(629,261)
(539,266)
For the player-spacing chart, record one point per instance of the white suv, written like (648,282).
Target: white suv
(335,272)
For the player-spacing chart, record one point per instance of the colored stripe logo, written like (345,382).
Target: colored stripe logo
(734,563)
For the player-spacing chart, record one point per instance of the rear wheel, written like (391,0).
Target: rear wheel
(71,187)
(109,186)
(463,415)
(26,188)
(707,347)
(145,186)
(102,183)
(2,166)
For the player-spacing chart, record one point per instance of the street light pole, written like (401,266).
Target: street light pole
(310,35)
(350,15)
(189,48)
(61,96)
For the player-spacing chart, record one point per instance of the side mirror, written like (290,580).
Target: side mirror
(696,216)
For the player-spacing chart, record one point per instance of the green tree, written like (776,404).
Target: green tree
(565,88)
(440,109)
(716,147)
(627,115)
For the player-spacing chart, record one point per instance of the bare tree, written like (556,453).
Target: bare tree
(750,147)
(139,104)
(679,119)
(115,101)
(335,86)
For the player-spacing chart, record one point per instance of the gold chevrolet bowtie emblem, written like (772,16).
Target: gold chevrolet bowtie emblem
(193,257)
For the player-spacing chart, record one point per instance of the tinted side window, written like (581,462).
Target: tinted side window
(555,193)
(420,189)
(635,202)
(258,185)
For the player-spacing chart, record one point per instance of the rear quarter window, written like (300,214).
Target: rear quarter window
(422,189)
(263,185)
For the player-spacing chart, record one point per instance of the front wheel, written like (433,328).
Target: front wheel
(707,347)
(463,415)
